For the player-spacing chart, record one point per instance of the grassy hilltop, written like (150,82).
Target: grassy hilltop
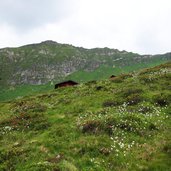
(123,124)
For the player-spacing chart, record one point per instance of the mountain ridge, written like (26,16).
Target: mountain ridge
(49,61)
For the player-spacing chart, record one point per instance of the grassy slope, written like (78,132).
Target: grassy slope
(23,90)
(120,124)
(100,73)
(104,72)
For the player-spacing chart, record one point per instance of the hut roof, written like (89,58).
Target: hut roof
(66,83)
(112,76)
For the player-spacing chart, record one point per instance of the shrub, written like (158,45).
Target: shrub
(149,70)
(147,78)
(28,106)
(25,121)
(152,127)
(145,109)
(130,124)
(110,103)
(67,166)
(136,125)
(168,110)
(10,157)
(134,99)
(56,159)
(105,151)
(100,88)
(162,99)
(91,126)
(89,83)
(97,126)
(167,149)
(129,91)
(109,125)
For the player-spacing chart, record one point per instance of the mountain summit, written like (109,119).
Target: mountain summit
(50,61)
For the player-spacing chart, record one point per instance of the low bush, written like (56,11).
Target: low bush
(24,121)
(105,151)
(10,157)
(111,125)
(162,99)
(145,109)
(92,126)
(168,110)
(147,79)
(56,159)
(110,103)
(98,126)
(100,88)
(130,91)
(27,106)
(90,83)
(134,99)
(167,149)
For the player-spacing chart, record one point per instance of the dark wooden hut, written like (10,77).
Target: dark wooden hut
(66,84)
(112,76)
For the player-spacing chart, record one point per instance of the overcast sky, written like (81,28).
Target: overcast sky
(142,26)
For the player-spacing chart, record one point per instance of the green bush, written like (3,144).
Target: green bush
(100,88)
(145,109)
(168,110)
(27,106)
(110,103)
(147,79)
(92,126)
(130,91)
(90,83)
(9,158)
(98,126)
(162,99)
(25,121)
(134,99)
(167,149)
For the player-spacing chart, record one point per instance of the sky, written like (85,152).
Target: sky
(141,26)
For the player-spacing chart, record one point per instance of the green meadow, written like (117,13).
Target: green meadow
(119,124)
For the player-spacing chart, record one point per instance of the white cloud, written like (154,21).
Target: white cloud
(141,26)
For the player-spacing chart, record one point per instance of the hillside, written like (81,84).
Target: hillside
(121,124)
(51,62)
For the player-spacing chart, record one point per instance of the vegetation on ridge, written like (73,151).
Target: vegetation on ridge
(119,124)
(50,62)
(36,68)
